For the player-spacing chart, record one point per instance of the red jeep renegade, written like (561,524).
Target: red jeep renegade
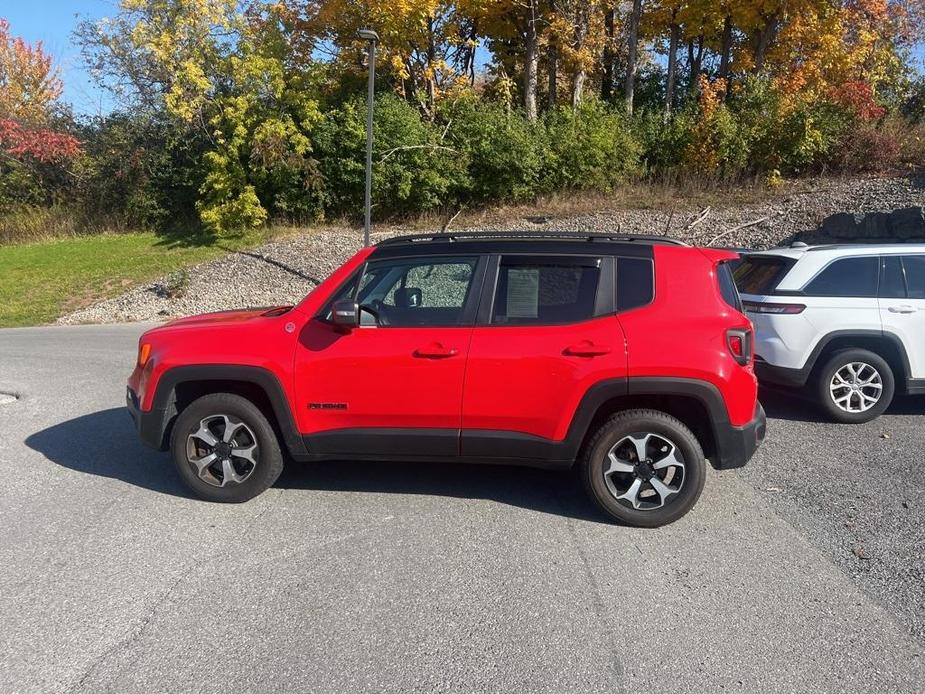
(629,357)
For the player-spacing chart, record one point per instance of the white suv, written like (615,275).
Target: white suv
(847,322)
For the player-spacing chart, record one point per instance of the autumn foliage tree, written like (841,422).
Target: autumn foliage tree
(240,112)
(30,150)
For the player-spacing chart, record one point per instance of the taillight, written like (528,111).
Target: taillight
(739,344)
(781,309)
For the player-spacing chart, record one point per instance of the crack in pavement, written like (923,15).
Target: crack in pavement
(604,628)
(188,571)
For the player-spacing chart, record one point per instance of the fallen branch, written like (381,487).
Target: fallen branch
(668,226)
(704,213)
(407,147)
(446,225)
(741,226)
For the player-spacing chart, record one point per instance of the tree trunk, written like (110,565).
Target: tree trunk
(672,64)
(552,70)
(762,39)
(578,86)
(581,26)
(530,63)
(431,78)
(694,62)
(608,57)
(632,41)
(726,54)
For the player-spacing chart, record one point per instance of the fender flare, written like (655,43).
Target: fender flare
(826,339)
(594,398)
(165,396)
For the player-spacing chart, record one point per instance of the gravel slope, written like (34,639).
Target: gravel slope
(284,271)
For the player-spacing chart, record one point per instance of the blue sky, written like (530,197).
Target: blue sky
(52,22)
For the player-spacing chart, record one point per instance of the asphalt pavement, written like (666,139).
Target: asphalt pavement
(440,578)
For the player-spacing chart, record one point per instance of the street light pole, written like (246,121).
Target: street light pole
(372,38)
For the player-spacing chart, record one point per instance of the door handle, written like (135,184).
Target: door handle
(905,308)
(435,351)
(587,349)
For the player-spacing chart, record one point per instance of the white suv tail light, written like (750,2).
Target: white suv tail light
(779,309)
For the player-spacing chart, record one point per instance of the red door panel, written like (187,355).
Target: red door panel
(530,379)
(379,377)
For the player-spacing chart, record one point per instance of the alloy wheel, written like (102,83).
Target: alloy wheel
(222,451)
(856,387)
(644,470)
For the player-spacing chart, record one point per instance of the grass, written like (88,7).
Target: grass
(43,280)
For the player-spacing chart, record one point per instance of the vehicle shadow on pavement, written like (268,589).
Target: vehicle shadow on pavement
(547,491)
(105,443)
(783,404)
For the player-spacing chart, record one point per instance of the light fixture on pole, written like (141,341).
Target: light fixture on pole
(372,38)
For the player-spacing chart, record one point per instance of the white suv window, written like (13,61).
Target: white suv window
(848,277)
(914,266)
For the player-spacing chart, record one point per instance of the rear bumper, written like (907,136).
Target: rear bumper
(149,425)
(780,375)
(736,445)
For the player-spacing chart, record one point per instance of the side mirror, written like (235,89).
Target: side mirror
(345,314)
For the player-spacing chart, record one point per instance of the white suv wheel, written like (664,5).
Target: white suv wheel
(856,387)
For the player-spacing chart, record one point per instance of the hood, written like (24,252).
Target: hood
(227,317)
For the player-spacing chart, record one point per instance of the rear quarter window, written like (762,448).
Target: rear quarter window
(848,277)
(760,274)
(727,286)
(634,283)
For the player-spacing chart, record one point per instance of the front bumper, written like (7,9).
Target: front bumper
(149,425)
(736,445)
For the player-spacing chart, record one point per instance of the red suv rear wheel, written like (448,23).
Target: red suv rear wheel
(644,468)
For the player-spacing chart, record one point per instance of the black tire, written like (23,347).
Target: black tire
(595,461)
(256,478)
(839,360)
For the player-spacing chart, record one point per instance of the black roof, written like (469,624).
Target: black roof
(543,242)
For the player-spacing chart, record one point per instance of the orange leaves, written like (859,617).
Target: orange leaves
(28,81)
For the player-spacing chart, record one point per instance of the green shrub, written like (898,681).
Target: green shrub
(138,171)
(414,169)
(791,137)
(590,147)
(504,152)
(663,141)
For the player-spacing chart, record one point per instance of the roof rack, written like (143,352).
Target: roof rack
(506,235)
(864,244)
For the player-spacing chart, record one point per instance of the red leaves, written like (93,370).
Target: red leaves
(46,146)
(858,96)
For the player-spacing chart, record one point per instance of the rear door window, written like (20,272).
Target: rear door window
(915,275)
(537,291)
(760,274)
(849,277)
(892,284)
